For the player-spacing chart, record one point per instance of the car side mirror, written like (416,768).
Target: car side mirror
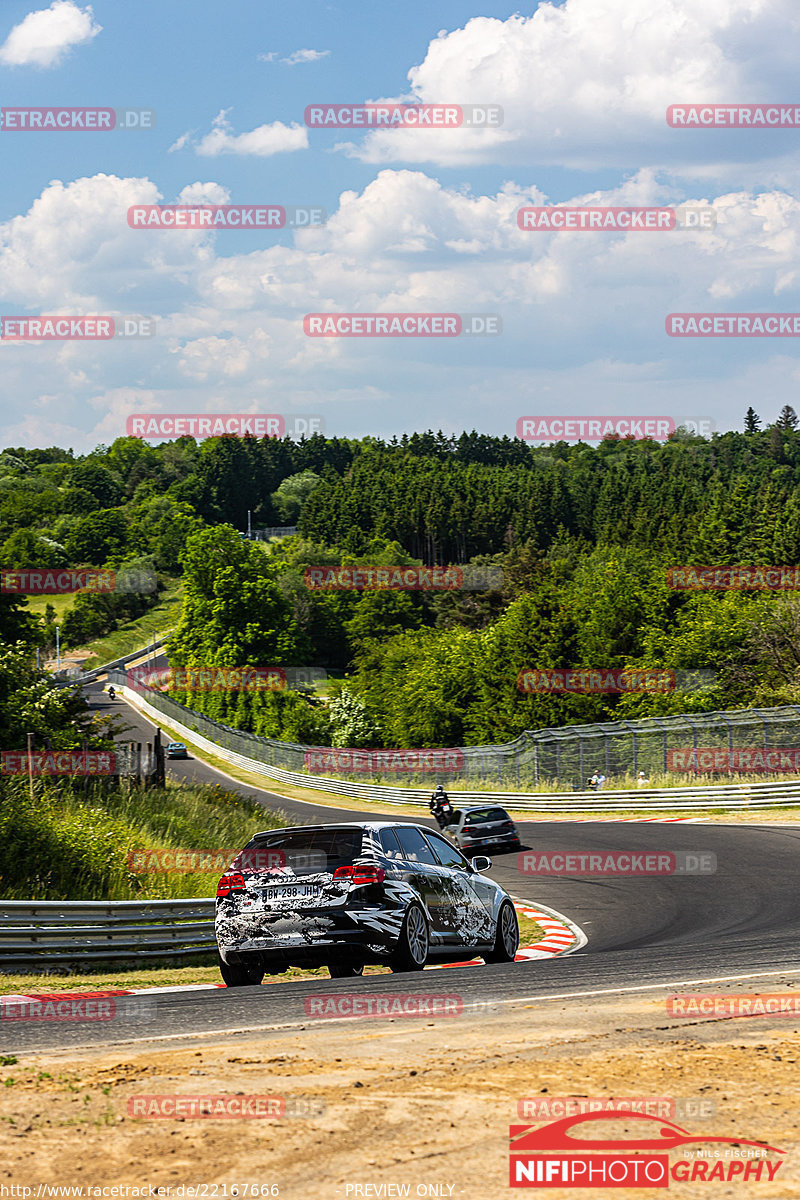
(481,863)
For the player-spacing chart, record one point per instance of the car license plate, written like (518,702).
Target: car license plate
(293,891)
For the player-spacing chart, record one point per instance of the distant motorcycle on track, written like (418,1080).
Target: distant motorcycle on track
(441,807)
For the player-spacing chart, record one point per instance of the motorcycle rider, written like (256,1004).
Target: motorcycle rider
(440,807)
(111,693)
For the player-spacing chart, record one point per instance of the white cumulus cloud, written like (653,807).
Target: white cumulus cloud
(44,37)
(297,56)
(586,84)
(262,142)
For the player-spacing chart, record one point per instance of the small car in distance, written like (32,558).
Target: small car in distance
(480,826)
(343,896)
(177,750)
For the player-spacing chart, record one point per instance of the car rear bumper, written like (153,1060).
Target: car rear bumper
(276,954)
(310,938)
(496,839)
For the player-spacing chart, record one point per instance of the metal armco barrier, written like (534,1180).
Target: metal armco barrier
(72,931)
(726,796)
(76,675)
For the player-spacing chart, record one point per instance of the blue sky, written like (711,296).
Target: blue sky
(417,220)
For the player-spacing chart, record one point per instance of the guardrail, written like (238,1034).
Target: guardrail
(76,675)
(70,931)
(728,796)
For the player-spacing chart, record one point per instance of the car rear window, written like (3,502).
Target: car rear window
(307,849)
(485,816)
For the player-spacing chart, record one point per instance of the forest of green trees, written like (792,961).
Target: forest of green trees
(583,535)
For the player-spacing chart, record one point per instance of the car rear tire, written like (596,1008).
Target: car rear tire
(345,970)
(413,944)
(506,942)
(235,975)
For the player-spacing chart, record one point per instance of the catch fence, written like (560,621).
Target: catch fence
(698,743)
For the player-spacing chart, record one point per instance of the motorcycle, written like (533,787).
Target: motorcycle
(111,693)
(444,814)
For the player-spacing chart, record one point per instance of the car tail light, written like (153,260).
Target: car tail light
(360,875)
(230,883)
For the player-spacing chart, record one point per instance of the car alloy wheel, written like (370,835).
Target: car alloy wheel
(411,953)
(506,942)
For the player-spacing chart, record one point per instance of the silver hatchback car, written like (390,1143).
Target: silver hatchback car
(487,825)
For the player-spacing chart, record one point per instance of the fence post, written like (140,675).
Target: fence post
(30,765)
(158,750)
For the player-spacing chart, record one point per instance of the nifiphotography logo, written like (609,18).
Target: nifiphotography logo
(564,1153)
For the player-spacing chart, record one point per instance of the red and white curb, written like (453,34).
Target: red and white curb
(607,819)
(562,936)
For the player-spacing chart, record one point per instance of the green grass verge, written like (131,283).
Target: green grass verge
(61,603)
(156,622)
(69,845)
(205,971)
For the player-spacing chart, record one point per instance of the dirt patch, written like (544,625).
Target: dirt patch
(418,1103)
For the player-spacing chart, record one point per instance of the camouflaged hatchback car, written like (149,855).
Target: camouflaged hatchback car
(342,896)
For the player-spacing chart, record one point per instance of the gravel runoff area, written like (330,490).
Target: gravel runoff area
(421,1103)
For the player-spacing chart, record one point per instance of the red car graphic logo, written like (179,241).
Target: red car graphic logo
(556,1136)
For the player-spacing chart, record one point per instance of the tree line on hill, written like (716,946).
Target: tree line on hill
(583,536)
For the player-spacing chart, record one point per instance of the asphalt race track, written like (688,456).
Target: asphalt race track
(742,921)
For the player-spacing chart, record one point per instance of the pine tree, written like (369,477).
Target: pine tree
(752,421)
(787,419)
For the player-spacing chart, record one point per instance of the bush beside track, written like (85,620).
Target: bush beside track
(71,845)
